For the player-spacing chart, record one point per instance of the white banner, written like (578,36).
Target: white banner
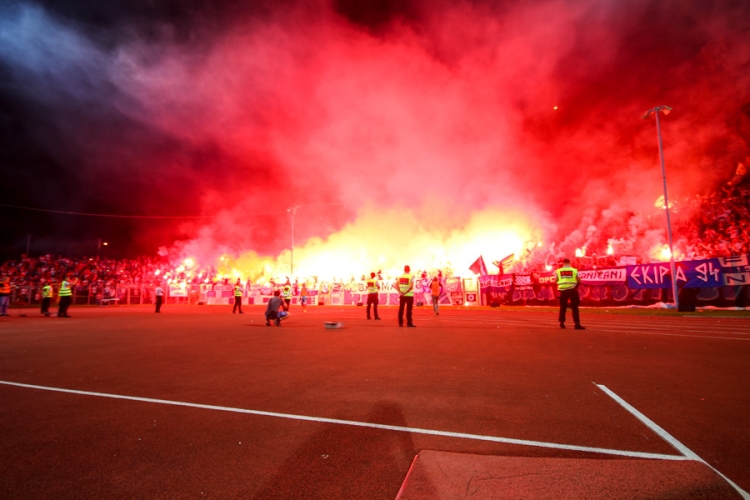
(603,276)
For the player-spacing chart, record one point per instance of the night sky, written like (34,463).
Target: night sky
(383,116)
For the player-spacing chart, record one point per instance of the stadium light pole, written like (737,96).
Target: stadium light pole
(293,211)
(655,111)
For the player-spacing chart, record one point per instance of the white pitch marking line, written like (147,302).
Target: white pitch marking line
(687,452)
(414,430)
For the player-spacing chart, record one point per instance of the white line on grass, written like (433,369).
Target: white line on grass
(689,454)
(414,430)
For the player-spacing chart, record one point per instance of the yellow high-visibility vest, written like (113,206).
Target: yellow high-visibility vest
(46,291)
(238,291)
(567,278)
(64,290)
(372,285)
(404,282)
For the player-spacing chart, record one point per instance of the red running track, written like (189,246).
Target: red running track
(490,382)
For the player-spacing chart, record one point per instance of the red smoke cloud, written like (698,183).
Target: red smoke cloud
(452,112)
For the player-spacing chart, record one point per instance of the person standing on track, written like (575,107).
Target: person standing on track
(66,297)
(303,294)
(46,298)
(435,288)
(4,295)
(406,297)
(159,292)
(372,296)
(237,298)
(567,284)
(286,293)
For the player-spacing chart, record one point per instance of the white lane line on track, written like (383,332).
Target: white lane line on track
(414,430)
(629,332)
(593,321)
(689,454)
(635,331)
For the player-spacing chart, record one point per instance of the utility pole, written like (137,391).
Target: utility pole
(293,211)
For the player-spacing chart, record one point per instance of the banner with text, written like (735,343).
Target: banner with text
(690,274)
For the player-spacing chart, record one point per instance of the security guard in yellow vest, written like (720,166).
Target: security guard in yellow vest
(237,299)
(66,297)
(46,298)
(286,294)
(372,295)
(567,284)
(406,297)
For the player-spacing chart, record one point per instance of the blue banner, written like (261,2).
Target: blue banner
(690,274)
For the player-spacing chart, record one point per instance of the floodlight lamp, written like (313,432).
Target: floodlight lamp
(664,109)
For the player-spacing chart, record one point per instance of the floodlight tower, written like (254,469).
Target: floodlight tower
(655,111)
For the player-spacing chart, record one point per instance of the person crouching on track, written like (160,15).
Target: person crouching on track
(567,284)
(272,311)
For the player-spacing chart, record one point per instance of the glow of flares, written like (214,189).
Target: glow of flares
(386,240)
(661,253)
(659,203)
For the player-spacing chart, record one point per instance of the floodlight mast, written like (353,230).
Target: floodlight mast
(655,111)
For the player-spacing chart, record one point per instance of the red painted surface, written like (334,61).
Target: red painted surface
(488,372)
(450,476)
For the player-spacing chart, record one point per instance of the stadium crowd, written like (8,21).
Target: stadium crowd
(710,225)
(147,271)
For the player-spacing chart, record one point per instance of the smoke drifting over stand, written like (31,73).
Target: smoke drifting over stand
(423,132)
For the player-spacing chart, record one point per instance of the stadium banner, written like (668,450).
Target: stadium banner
(177,290)
(495,283)
(735,261)
(736,270)
(522,281)
(690,274)
(599,277)
(548,279)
